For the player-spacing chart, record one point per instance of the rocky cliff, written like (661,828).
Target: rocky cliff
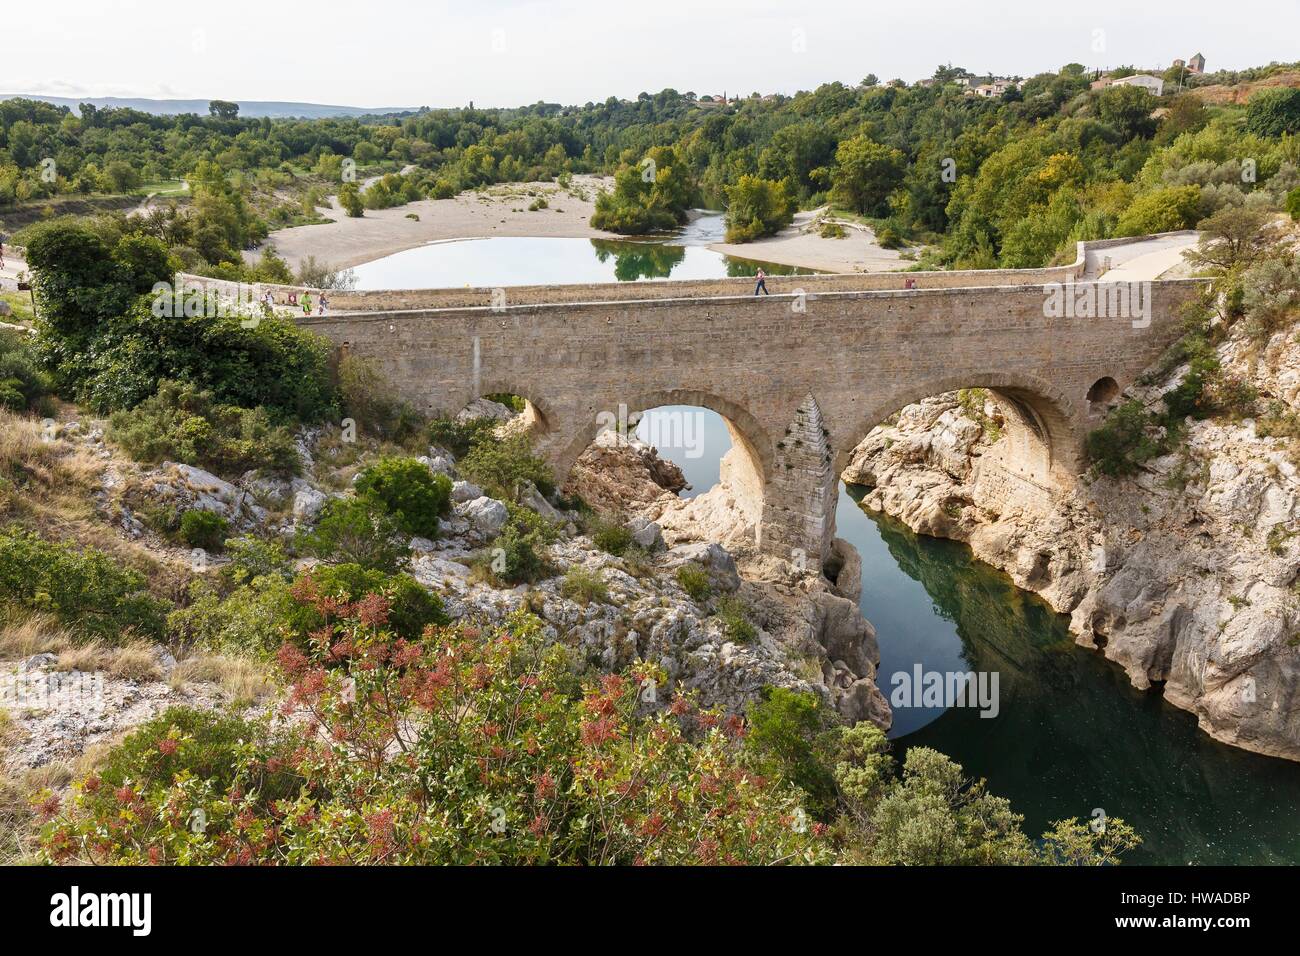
(1185,574)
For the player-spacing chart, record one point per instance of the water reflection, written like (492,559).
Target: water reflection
(1072,734)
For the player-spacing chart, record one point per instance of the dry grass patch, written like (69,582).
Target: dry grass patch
(243,681)
(22,635)
(136,660)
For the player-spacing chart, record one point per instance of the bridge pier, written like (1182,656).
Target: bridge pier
(798,517)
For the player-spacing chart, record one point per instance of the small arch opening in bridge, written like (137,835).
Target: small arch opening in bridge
(1102,395)
(687,467)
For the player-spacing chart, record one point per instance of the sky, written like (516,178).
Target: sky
(383,53)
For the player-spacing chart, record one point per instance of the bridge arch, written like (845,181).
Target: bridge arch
(1045,442)
(747,433)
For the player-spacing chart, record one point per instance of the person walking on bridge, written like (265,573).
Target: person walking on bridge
(761,283)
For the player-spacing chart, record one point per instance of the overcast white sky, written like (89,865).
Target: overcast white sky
(510,52)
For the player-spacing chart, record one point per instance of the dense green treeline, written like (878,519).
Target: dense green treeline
(1010,181)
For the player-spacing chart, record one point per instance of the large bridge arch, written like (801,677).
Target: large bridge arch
(1050,442)
(747,432)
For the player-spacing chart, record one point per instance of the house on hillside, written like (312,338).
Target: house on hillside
(1196,64)
(1153,84)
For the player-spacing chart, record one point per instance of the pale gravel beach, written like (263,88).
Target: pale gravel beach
(502,210)
(800,245)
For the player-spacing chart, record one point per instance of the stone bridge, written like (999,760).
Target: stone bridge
(801,376)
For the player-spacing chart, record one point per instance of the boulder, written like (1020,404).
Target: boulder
(485,514)
(462,491)
(646,533)
(714,558)
(530,497)
(307,504)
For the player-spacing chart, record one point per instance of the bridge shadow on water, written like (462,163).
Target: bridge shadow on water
(1071,734)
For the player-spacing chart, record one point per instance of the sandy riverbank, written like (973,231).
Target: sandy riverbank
(500,210)
(800,245)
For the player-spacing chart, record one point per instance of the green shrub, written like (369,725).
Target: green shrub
(411,609)
(249,619)
(182,423)
(457,436)
(584,586)
(788,733)
(1293,203)
(87,590)
(516,555)
(611,538)
(409,491)
(1123,442)
(203,529)
(502,467)
(694,580)
(23,385)
(734,614)
(356,531)
(254,558)
(364,395)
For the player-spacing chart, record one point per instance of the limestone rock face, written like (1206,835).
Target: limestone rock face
(1183,574)
(485,514)
(617,474)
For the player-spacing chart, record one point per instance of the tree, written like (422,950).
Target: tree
(865,173)
(758,207)
(1127,109)
(223,109)
(1234,236)
(1273,112)
(350,200)
(1161,210)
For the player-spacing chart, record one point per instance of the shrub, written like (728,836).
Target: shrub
(734,614)
(457,436)
(411,607)
(203,529)
(788,733)
(1124,441)
(409,491)
(87,590)
(694,580)
(249,619)
(1293,203)
(1162,210)
(363,392)
(505,760)
(502,467)
(23,385)
(356,531)
(254,558)
(584,586)
(182,423)
(611,538)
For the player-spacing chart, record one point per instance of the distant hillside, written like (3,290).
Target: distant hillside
(248,108)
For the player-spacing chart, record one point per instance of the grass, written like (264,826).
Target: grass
(244,681)
(163,187)
(20,308)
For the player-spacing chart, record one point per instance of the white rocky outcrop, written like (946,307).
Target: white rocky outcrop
(1185,574)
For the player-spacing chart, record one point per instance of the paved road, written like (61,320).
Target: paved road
(1140,260)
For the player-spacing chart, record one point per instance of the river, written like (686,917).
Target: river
(505,261)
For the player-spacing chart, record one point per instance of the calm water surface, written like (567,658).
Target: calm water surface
(507,261)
